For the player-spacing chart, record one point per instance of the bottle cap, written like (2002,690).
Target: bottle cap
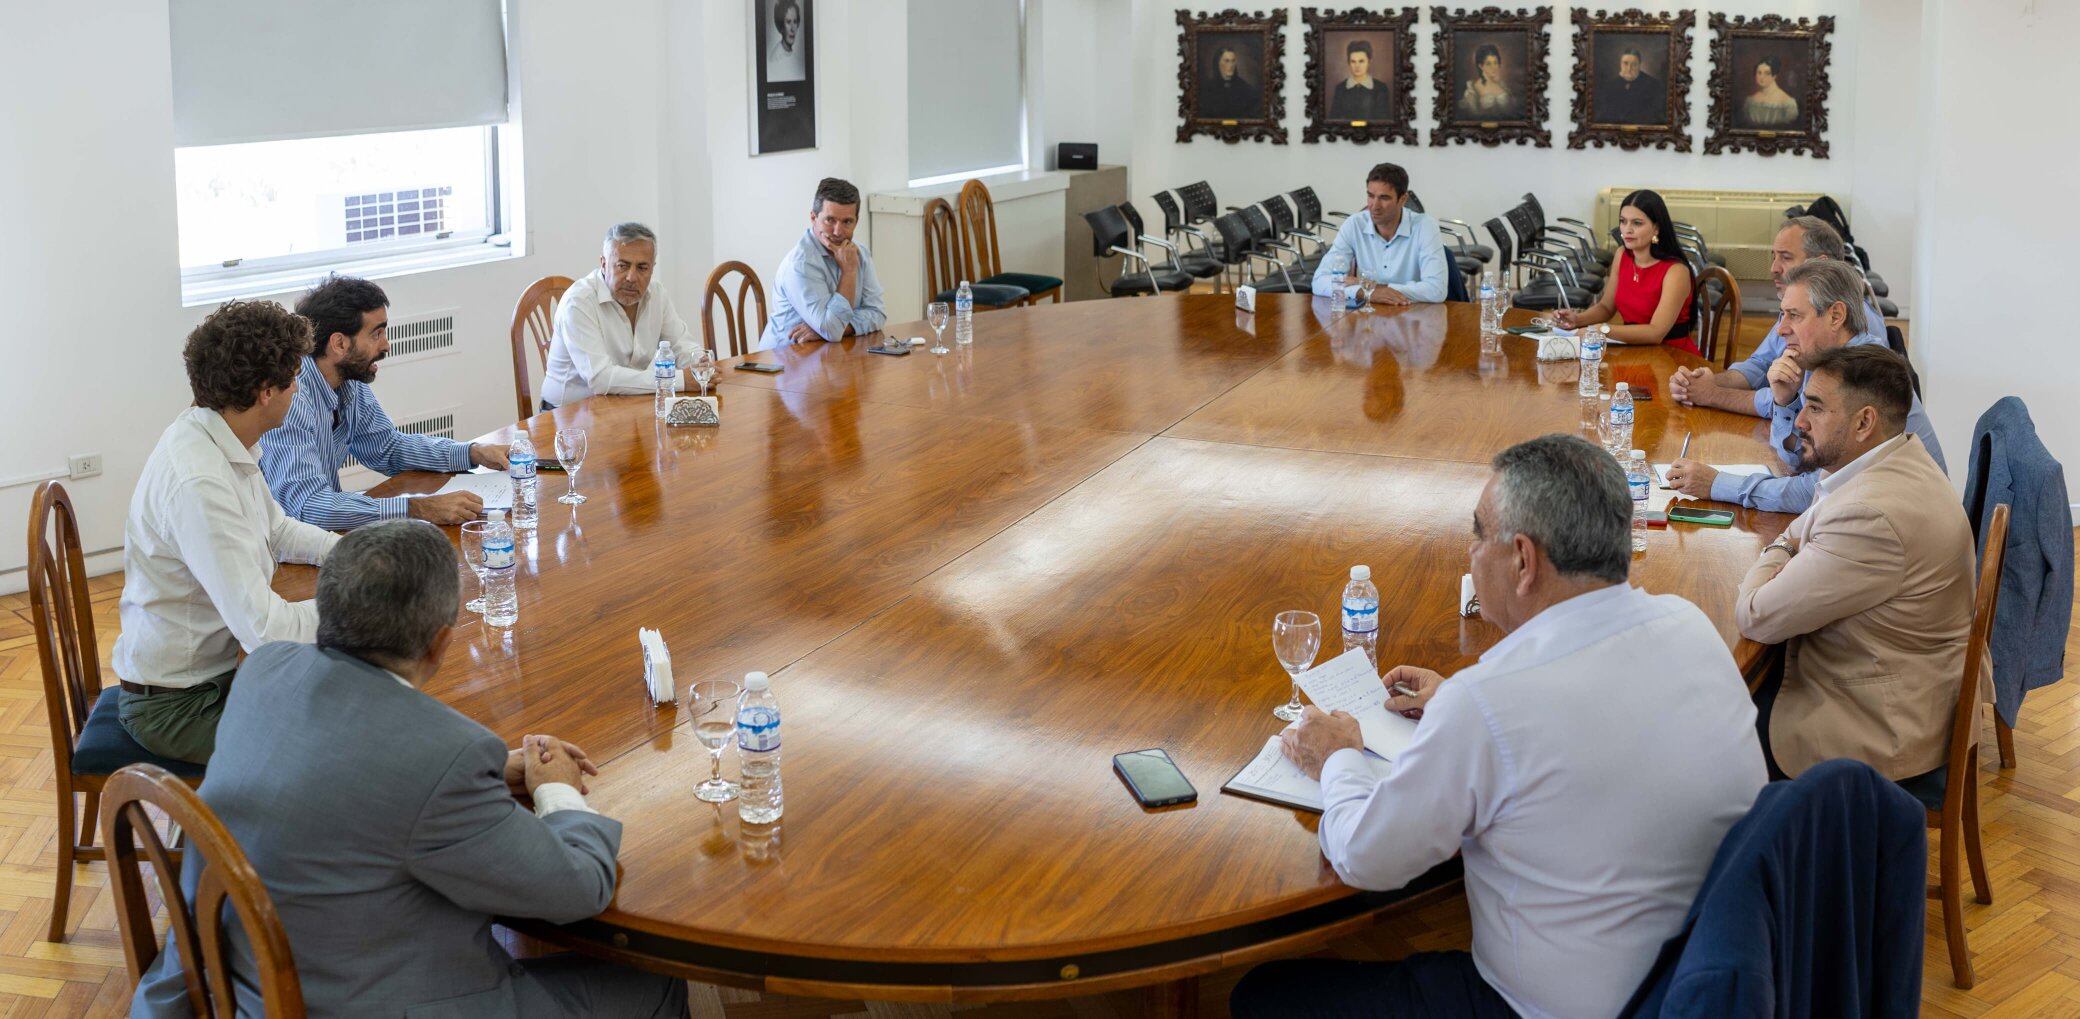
(756,681)
(1361,573)
(496,515)
(1624,387)
(1639,454)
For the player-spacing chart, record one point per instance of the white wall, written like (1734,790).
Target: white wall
(1996,159)
(1475,183)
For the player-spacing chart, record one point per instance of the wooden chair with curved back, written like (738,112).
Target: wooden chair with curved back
(979,230)
(735,313)
(88,743)
(946,263)
(1719,327)
(198,928)
(1951,793)
(534,321)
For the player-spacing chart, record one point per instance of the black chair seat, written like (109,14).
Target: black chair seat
(105,746)
(1032,282)
(987,295)
(1468,264)
(1197,263)
(1136,282)
(1545,298)
(1888,307)
(1480,251)
(1877,283)
(1928,787)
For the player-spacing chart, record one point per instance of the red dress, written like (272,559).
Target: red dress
(1639,293)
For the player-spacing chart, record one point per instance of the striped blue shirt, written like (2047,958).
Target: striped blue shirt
(301,459)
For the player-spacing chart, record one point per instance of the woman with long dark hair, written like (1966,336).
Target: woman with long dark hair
(1647,292)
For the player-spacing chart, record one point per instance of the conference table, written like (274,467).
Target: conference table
(974,578)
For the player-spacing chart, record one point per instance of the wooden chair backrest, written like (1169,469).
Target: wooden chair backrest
(63,618)
(979,229)
(1964,728)
(945,254)
(735,312)
(534,322)
(1721,326)
(198,927)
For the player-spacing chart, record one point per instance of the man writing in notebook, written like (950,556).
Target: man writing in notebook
(1585,769)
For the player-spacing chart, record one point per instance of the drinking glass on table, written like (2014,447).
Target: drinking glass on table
(473,554)
(1366,285)
(712,705)
(703,368)
(1295,637)
(935,315)
(570,450)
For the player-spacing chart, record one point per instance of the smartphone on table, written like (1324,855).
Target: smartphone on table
(1153,778)
(762,367)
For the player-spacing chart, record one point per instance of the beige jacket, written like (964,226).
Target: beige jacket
(1874,609)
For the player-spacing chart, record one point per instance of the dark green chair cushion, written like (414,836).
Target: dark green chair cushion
(988,295)
(1033,282)
(105,746)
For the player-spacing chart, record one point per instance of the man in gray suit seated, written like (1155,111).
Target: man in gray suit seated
(384,823)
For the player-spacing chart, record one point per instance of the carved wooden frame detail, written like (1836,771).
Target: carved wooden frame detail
(1401,127)
(1536,24)
(1724,136)
(1675,133)
(1270,127)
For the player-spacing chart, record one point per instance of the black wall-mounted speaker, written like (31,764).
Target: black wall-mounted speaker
(1076,156)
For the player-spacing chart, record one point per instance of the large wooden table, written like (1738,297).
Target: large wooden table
(977,577)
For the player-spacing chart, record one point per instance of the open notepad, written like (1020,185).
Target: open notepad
(1344,683)
(494,487)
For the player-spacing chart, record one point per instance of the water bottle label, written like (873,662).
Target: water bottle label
(1621,415)
(520,467)
(1638,484)
(662,370)
(758,728)
(498,557)
(1487,292)
(1360,616)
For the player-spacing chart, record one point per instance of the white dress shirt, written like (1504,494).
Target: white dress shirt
(199,551)
(549,797)
(1831,480)
(1586,769)
(594,349)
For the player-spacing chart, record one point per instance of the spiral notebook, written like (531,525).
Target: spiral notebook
(1274,779)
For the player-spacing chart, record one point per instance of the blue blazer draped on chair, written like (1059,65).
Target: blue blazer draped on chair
(2036,606)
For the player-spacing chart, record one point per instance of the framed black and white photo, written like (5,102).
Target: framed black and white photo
(783,76)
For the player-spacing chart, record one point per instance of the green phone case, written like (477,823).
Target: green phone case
(1702,517)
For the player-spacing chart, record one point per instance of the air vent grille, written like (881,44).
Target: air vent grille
(442,424)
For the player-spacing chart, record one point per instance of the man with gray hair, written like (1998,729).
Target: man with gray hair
(1744,388)
(1585,769)
(1824,309)
(609,323)
(386,826)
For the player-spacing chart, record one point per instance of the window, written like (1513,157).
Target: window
(283,205)
(967,89)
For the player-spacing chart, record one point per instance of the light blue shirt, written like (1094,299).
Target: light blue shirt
(1411,261)
(1585,770)
(1793,493)
(302,458)
(806,290)
(1756,368)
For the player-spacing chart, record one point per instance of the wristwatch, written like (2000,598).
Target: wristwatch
(1779,543)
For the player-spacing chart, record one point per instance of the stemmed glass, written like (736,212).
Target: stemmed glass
(1295,637)
(1366,285)
(473,554)
(570,450)
(712,705)
(935,315)
(704,369)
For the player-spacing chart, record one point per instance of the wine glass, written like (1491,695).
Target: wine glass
(1295,637)
(712,705)
(704,369)
(473,554)
(935,315)
(570,450)
(1366,285)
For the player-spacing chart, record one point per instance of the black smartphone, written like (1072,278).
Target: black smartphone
(763,367)
(1153,778)
(902,351)
(547,463)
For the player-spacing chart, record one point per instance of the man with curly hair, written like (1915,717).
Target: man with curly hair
(204,534)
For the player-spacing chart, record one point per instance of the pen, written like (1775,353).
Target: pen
(1686,447)
(1402,689)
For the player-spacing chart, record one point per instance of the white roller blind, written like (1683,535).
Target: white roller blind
(967,86)
(264,70)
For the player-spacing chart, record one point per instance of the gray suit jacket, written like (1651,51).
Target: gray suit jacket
(380,820)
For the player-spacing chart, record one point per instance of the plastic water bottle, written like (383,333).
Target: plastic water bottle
(1491,318)
(520,466)
(964,314)
(1621,421)
(1637,478)
(501,568)
(1361,614)
(1590,343)
(664,367)
(758,751)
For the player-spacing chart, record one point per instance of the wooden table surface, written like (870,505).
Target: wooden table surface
(977,577)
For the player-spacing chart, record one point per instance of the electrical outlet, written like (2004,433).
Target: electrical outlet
(85,465)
